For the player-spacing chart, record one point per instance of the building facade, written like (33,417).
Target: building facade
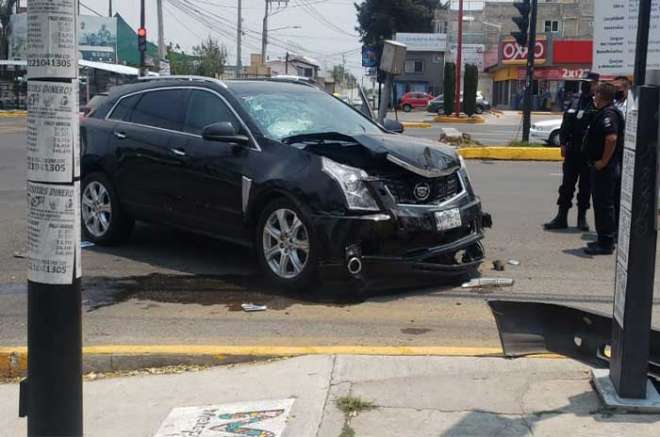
(425,64)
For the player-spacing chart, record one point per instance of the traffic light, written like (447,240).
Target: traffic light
(522,21)
(142,39)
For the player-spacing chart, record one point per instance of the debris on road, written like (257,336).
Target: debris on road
(85,244)
(20,255)
(514,262)
(251,308)
(489,282)
(498,265)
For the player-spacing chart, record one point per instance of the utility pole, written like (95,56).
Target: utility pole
(109,8)
(161,31)
(239,38)
(51,396)
(264,35)
(459,58)
(142,41)
(529,90)
(286,64)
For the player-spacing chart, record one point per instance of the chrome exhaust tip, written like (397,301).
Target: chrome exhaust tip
(354,266)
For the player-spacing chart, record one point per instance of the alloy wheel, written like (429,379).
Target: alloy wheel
(96,209)
(285,243)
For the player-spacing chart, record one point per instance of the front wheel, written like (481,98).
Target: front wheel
(103,220)
(554,140)
(286,245)
(479,109)
(407,108)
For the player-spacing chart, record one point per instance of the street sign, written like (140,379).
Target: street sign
(52,44)
(636,251)
(369,57)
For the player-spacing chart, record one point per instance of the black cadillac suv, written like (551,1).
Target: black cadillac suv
(314,185)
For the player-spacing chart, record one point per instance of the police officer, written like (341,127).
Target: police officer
(603,143)
(575,169)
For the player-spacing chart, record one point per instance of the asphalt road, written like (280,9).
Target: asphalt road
(166,286)
(499,130)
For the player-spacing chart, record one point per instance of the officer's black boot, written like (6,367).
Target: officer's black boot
(559,222)
(582,220)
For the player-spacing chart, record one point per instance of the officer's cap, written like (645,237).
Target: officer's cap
(590,77)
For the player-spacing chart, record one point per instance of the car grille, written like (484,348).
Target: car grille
(441,189)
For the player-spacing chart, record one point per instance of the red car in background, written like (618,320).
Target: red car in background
(412,100)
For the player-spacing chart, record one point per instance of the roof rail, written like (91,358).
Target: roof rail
(190,78)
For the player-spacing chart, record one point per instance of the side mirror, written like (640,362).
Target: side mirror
(224,132)
(393,126)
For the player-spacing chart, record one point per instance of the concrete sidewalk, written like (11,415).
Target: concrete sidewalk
(413,396)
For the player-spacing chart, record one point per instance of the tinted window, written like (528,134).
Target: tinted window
(164,109)
(205,108)
(124,107)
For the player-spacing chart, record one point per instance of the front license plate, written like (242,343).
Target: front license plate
(450,219)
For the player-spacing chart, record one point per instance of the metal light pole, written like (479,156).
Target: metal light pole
(143,66)
(51,397)
(161,29)
(239,38)
(264,34)
(459,58)
(529,89)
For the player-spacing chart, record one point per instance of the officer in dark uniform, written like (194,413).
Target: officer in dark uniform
(573,128)
(603,145)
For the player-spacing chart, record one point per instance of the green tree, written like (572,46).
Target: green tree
(211,58)
(379,20)
(180,62)
(6,8)
(471,83)
(450,88)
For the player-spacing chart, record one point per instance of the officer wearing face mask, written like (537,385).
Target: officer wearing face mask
(574,126)
(622,84)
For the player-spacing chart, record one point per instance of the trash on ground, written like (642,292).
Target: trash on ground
(514,262)
(20,255)
(489,282)
(84,244)
(251,308)
(498,265)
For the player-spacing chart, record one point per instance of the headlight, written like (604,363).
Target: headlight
(464,168)
(351,181)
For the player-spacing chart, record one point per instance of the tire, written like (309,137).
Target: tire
(102,218)
(299,247)
(553,139)
(407,108)
(479,109)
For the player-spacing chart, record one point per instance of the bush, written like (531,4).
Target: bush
(450,88)
(471,83)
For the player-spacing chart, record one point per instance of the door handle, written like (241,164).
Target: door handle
(178,151)
(120,135)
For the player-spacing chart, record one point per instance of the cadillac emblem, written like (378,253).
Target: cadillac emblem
(422,191)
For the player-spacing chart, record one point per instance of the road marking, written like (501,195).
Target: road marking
(556,174)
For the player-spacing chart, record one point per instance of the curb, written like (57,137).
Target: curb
(13,114)
(111,358)
(543,113)
(416,125)
(512,153)
(462,120)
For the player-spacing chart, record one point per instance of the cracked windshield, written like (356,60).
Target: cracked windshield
(329,218)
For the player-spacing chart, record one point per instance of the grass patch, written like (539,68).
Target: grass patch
(524,144)
(351,406)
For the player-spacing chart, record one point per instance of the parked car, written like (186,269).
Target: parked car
(437,105)
(546,132)
(413,100)
(316,187)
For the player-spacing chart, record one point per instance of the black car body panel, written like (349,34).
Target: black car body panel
(220,188)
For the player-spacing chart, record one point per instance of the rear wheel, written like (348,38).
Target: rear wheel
(407,108)
(103,221)
(286,245)
(554,140)
(479,109)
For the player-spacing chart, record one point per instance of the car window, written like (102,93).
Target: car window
(205,108)
(165,109)
(123,109)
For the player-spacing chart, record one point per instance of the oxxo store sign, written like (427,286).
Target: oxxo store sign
(512,53)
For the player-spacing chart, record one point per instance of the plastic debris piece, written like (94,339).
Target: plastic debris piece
(84,244)
(514,262)
(498,265)
(489,282)
(251,308)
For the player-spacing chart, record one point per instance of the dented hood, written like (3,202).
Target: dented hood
(424,157)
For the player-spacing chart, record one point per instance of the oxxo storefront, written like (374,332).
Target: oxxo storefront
(559,66)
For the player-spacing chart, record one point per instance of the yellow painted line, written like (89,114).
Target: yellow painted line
(416,125)
(461,120)
(17,114)
(512,153)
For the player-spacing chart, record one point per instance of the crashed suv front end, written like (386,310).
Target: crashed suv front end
(425,216)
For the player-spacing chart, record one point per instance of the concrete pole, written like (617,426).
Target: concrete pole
(264,36)
(161,31)
(109,8)
(239,39)
(459,58)
(51,397)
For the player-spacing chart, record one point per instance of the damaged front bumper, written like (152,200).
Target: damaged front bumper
(404,239)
